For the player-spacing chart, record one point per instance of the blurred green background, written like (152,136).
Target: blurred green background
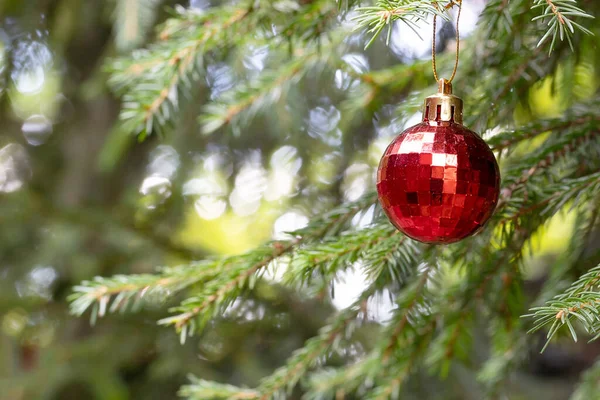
(79,198)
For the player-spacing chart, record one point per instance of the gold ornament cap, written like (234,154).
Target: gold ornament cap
(443,106)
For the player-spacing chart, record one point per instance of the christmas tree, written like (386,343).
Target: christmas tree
(236,197)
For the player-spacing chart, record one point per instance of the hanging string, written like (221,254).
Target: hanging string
(433,62)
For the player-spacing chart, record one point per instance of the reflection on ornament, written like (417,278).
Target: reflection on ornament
(438,182)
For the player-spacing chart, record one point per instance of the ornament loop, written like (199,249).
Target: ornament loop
(433,50)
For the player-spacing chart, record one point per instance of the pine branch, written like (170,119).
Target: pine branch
(324,260)
(559,273)
(390,362)
(314,351)
(502,49)
(399,372)
(335,383)
(409,304)
(379,87)
(498,17)
(523,71)
(240,272)
(314,19)
(432,322)
(560,153)
(224,278)
(586,225)
(340,326)
(556,197)
(559,15)
(515,232)
(379,259)
(130,292)
(153,81)
(583,116)
(311,53)
(410,337)
(244,102)
(394,259)
(579,303)
(509,350)
(502,260)
(458,304)
(510,344)
(385,12)
(237,273)
(507,298)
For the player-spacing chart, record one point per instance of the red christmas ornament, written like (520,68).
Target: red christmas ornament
(438,182)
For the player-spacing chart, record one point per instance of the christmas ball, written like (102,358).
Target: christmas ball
(438,182)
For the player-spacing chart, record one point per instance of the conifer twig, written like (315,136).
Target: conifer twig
(241,271)
(303,359)
(384,13)
(560,15)
(233,273)
(581,303)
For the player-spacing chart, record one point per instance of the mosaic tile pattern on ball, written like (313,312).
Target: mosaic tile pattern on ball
(438,182)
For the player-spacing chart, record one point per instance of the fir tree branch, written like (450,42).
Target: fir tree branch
(508,258)
(123,292)
(509,350)
(305,358)
(398,373)
(559,14)
(246,101)
(225,277)
(239,272)
(336,383)
(559,195)
(395,259)
(512,70)
(153,81)
(498,16)
(316,18)
(579,303)
(339,327)
(407,305)
(523,72)
(390,362)
(384,13)
(586,225)
(500,260)
(221,293)
(409,340)
(580,116)
(460,302)
(285,378)
(563,147)
(432,323)
(334,255)
(451,339)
